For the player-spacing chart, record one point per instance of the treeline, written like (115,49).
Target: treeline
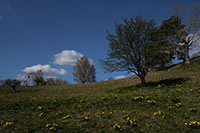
(84,72)
(33,78)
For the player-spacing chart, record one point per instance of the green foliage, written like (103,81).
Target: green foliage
(172,33)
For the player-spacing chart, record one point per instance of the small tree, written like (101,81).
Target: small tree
(84,71)
(12,83)
(60,82)
(133,49)
(36,77)
(191,19)
(50,81)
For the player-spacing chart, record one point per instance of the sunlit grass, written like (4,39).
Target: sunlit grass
(170,100)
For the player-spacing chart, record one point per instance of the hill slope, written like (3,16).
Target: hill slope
(170,100)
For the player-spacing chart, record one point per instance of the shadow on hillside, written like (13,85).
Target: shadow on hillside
(152,85)
(166,82)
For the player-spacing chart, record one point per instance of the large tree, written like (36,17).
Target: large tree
(84,71)
(134,48)
(191,19)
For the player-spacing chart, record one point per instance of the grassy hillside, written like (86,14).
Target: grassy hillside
(168,104)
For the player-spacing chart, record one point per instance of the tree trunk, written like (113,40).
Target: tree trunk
(143,81)
(14,88)
(186,57)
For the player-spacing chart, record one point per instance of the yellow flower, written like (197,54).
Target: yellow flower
(159,112)
(47,125)
(117,127)
(1,122)
(55,125)
(79,105)
(110,113)
(40,107)
(86,118)
(186,124)
(52,128)
(192,109)
(67,117)
(102,113)
(158,86)
(41,114)
(131,122)
(103,98)
(81,100)
(147,98)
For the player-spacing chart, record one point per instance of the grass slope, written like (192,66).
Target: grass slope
(170,100)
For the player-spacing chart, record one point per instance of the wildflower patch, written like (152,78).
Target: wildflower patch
(193,124)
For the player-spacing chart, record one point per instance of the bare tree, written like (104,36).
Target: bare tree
(191,20)
(12,83)
(84,71)
(36,77)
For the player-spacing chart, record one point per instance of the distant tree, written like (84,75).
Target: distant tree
(191,19)
(1,82)
(12,83)
(50,81)
(110,78)
(36,77)
(133,49)
(60,82)
(84,71)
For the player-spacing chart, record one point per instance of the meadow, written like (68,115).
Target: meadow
(169,103)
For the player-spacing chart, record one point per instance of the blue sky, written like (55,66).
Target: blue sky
(32,32)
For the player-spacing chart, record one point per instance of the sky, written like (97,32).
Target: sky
(52,34)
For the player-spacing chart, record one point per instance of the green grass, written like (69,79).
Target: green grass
(178,84)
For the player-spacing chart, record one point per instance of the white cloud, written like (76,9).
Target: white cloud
(120,77)
(68,57)
(46,69)
(20,77)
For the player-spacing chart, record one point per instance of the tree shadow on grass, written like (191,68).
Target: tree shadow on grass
(166,82)
(152,85)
